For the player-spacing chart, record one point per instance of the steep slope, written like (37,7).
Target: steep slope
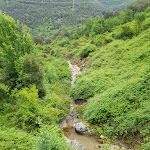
(34,91)
(115,77)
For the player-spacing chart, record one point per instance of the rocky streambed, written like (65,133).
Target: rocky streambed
(80,135)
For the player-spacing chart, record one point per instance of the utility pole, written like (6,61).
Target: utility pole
(6,2)
(73,4)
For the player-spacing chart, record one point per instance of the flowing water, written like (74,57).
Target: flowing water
(89,142)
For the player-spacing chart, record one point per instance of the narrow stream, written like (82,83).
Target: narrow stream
(81,141)
(88,142)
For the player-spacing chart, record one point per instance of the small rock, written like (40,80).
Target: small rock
(102,137)
(74,144)
(80,127)
(77,145)
(63,124)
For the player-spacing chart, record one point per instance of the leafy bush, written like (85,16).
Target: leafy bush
(79,109)
(38,40)
(51,139)
(54,109)
(83,89)
(26,108)
(88,49)
(115,109)
(50,73)
(64,41)
(126,31)
(145,146)
(30,72)
(12,138)
(3,91)
(146,23)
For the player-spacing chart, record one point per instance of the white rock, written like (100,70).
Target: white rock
(80,127)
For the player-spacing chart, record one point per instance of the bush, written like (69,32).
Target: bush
(79,109)
(30,72)
(145,146)
(64,41)
(38,40)
(123,110)
(54,109)
(51,139)
(3,91)
(50,73)
(127,30)
(83,89)
(12,138)
(26,104)
(86,50)
(146,23)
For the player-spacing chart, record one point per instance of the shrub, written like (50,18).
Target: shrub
(79,109)
(3,91)
(86,50)
(127,30)
(123,110)
(83,89)
(145,146)
(54,109)
(12,138)
(50,73)
(64,41)
(38,40)
(30,72)
(146,23)
(26,107)
(51,139)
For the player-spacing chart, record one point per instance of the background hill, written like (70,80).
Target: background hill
(44,16)
(116,5)
(51,14)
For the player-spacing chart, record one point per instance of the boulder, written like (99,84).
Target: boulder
(80,127)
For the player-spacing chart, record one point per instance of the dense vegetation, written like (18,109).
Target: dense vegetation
(116,4)
(34,91)
(47,16)
(114,55)
(44,17)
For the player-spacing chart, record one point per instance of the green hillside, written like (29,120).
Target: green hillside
(34,92)
(115,79)
(35,81)
(43,17)
(49,15)
(116,5)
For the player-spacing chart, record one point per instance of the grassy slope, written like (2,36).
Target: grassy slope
(116,83)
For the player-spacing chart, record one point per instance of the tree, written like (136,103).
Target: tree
(128,15)
(13,45)
(89,23)
(140,17)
